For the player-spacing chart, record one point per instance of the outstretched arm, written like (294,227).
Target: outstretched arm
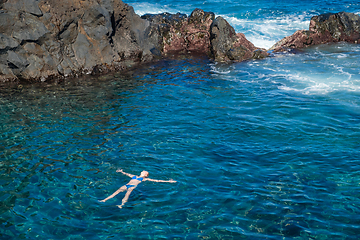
(127,174)
(154,180)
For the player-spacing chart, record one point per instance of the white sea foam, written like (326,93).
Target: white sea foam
(289,89)
(152,8)
(265,33)
(342,56)
(340,71)
(305,85)
(321,69)
(318,85)
(308,78)
(262,33)
(310,82)
(218,69)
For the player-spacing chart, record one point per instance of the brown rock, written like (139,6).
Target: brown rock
(325,28)
(42,39)
(226,45)
(177,32)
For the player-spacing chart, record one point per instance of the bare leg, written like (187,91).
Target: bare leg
(125,199)
(123,188)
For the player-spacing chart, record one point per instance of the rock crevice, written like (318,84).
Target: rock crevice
(44,39)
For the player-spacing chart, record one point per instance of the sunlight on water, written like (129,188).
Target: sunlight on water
(262,149)
(262,23)
(256,153)
(326,68)
(317,70)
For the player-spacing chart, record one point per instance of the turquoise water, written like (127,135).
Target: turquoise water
(265,149)
(264,22)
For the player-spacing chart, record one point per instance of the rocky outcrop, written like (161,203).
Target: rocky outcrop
(325,28)
(227,45)
(177,32)
(41,39)
(201,32)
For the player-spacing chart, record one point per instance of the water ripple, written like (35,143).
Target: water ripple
(252,160)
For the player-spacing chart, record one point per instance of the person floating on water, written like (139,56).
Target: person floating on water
(135,180)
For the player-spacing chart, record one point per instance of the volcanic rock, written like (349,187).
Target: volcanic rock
(201,32)
(44,39)
(177,32)
(41,39)
(227,45)
(325,28)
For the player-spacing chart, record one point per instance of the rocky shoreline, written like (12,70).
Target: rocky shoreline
(325,28)
(47,39)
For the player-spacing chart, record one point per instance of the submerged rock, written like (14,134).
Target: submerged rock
(325,28)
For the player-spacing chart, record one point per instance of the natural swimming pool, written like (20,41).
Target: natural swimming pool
(259,149)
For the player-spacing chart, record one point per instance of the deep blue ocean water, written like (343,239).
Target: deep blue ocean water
(265,149)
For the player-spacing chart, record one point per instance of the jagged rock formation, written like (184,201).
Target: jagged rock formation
(227,45)
(201,32)
(324,28)
(44,39)
(177,32)
(41,39)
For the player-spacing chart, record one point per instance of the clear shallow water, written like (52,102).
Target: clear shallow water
(260,149)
